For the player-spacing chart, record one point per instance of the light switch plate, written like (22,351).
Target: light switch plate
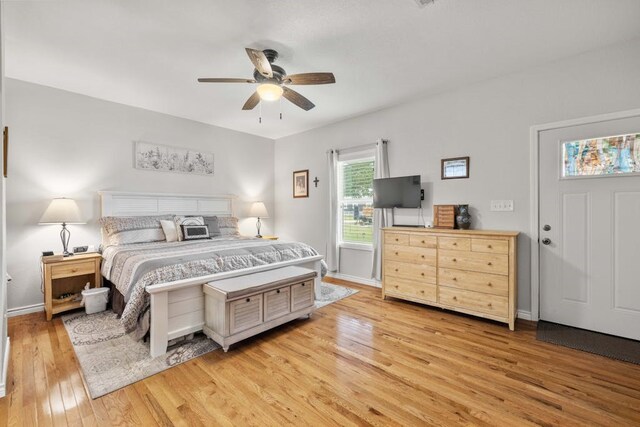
(502,205)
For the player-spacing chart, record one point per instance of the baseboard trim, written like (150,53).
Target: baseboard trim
(356,279)
(5,369)
(27,309)
(525,315)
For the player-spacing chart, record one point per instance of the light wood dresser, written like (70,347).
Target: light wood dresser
(470,271)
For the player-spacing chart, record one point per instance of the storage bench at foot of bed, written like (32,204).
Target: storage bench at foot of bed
(240,307)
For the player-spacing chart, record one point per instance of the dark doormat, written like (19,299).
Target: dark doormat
(593,342)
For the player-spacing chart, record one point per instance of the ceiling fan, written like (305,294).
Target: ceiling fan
(273,81)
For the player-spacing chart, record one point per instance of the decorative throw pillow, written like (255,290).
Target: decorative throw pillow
(170,230)
(228,226)
(122,230)
(186,220)
(212,224)
(195,232)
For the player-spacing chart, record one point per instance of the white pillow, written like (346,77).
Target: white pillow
(186,220)
(170,230)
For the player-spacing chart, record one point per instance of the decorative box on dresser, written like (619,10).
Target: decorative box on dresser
(470,271)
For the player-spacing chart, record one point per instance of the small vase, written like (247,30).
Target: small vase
(463,219)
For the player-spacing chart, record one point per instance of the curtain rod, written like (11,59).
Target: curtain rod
(358,147)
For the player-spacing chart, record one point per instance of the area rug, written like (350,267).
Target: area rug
(110,360)
(589,341)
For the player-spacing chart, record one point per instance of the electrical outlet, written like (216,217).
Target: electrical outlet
(502,205)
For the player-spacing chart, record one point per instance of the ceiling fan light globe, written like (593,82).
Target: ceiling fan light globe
(269,92)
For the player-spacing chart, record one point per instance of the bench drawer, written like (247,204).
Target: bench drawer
(277,303)
(245,313)
(302,295)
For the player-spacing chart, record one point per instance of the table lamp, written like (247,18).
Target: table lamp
(62,211)
(258,210)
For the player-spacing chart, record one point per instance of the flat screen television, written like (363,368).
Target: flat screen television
(399,192)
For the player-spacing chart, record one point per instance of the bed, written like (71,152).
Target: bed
(162,282)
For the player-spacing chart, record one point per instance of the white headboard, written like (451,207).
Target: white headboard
(122,203)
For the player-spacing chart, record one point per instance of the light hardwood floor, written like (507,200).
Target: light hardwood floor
(361,361)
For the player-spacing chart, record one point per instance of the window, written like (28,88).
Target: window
(355,199)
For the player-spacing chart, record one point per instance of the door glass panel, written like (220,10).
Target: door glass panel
(612,155)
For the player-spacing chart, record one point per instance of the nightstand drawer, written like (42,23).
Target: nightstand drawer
(70,269)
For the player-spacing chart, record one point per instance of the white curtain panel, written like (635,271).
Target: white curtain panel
(381,217)
(333,253)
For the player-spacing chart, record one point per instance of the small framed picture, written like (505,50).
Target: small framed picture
(301,184)
(455,168)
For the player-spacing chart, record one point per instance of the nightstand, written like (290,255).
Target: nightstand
(68,276)
(270,237)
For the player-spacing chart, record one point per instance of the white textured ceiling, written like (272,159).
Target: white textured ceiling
(148,53)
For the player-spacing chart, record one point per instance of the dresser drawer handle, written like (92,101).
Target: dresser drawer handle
(489,263)
(455,279)
(397,240)
(489,305)
(422,292)
(454,260)
(396,253)
(422,256)
(73,270)
(455,244)
(489,284)
(396,286)
(396,269)
(422,274)
(455,298)
(423,242)
(489,247)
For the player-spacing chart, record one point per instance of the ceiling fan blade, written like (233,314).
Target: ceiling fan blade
(310,79)
(224,80)
(251,102)
(297,99)
(260,61)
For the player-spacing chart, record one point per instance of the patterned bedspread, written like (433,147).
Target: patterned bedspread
(131,268)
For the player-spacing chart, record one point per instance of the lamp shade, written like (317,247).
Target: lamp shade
(269,92)
(258,210)
(62,211)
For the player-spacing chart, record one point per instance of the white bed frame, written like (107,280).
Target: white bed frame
(177,308)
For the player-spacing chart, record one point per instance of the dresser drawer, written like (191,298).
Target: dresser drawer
(474,261)
(473,281)
(476,301)
(418,272)
(396,238)
(70,269)
(394,286)
(245,313)
(491,246)
(422,241)
(410,254)
(302,295)
(454,243)
(277,303)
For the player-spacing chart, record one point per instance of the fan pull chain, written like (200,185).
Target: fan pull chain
(260,118)
(280,108)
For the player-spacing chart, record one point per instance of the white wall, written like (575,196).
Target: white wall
(489,122)
(65,144)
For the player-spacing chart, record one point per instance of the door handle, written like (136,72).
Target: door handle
(546,241)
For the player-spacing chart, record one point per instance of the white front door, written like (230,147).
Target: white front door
(589,237)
